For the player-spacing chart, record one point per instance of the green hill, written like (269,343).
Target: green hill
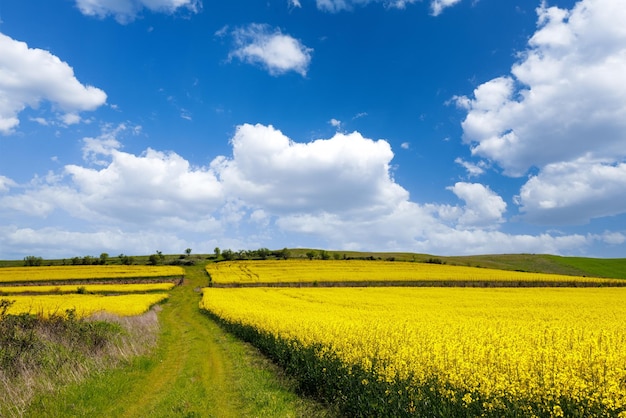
(541,263)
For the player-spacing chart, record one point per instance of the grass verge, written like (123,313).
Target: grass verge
(38,355)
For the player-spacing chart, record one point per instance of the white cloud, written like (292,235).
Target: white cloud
(149,187)
(613,238)
(98,150)
(574,192)
(472,169)
(564,97)
(70,118)
(59,243)
(273,192)
(270,48)
(561,110)
(294,3)
(413,227)
(6,183)
(334,6)
(29,76)
(335,123)
(344,173)
(155,188)
(437,6)
(483,207)
(405,145)
(126,11)
(41,121)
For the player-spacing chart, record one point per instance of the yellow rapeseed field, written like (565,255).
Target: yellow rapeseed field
(309,271)
(501,351)
(50,273)
(84,305)
(89,288)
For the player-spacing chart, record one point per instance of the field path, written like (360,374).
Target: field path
(197,370)
(190,378)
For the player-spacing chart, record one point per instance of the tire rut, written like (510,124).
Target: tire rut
(191,377)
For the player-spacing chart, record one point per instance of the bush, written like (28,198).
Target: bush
(29,341)
(31,261)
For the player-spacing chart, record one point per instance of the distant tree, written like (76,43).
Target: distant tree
(263,253)
(32,261)
(126,260)
(284,253)
(324,255)
(154,260)
(311,254)
(104,257)
(217,252)
(228,254)
(76,261)
(188,252)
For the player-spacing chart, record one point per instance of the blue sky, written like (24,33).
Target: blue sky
(446,127)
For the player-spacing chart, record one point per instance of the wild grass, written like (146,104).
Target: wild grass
(41,354)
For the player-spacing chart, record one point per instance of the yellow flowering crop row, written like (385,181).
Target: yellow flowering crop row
(49,273)
(84,305)
(309,271)
(490,352)
(89,288)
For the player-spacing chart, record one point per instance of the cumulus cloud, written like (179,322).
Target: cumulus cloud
(483,207)
(562,110)
(413,227)
(563,99)
(338,192)
(29,76)
(276,52)
(126,11)
(154,188)
(138,188)
(574,192)
(343,173)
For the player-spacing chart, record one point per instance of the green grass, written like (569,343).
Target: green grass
(198,370)
(544,263)
(599,267)
(39,354)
